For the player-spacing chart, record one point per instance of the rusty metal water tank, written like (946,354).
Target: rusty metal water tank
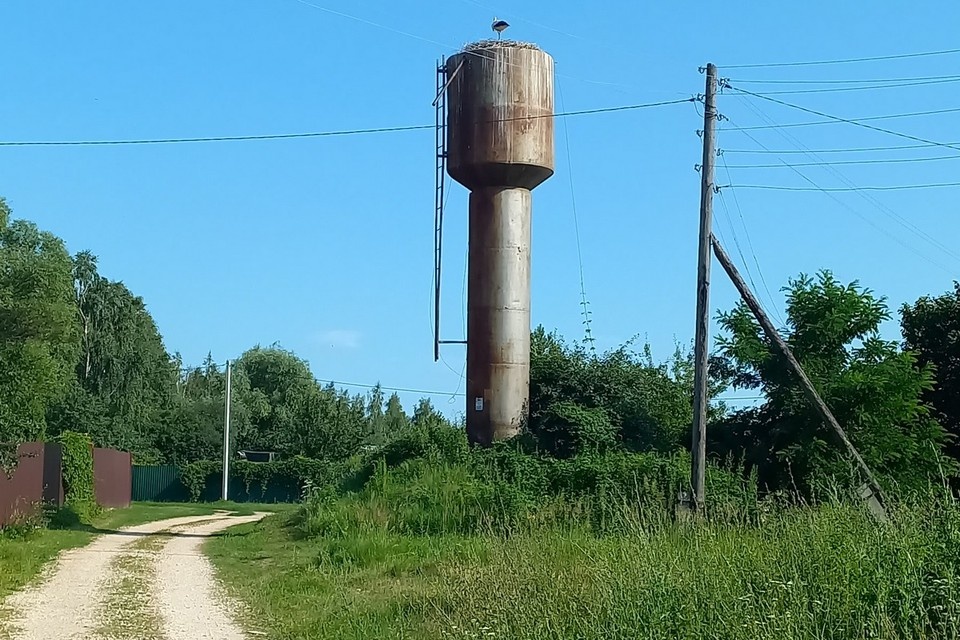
(500,119)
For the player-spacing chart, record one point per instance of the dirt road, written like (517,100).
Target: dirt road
(149,582)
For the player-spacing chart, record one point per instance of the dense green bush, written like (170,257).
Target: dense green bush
(580,399)
(78,474)
(429,481)
(290,475)
(875,390)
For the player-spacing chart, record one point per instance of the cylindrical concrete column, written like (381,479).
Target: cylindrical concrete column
(498,313)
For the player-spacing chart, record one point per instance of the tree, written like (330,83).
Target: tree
(39,333)
(931,330)
(293,415)
(376,415)
(625,397)
(425,415)
(123,365)
(395,419)
(874,389)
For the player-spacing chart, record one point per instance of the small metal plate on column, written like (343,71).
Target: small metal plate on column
(478,404)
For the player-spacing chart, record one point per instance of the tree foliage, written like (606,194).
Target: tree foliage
(78,480)
(38,327)
(873,388)
(647,405)
(125,379)
(931,330)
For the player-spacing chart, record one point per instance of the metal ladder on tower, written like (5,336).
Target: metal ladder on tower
(440,104)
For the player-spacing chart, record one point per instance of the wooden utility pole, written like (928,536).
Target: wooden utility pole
(701,348)
(874,495)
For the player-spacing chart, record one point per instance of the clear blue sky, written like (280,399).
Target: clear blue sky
(325,245)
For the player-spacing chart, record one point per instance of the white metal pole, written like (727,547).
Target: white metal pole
(226,439)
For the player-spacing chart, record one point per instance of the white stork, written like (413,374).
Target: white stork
(499,26)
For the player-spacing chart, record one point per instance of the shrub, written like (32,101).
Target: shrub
(24,523)
(432,441)
(287,477)
(573,428)
(502,490)
(78,475)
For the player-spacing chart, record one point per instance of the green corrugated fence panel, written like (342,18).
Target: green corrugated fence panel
(161,483)
(158,483)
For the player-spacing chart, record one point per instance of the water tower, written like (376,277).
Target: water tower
(497,112)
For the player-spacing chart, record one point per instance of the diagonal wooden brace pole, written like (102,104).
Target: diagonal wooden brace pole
(874,496)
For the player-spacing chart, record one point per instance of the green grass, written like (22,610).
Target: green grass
(22,558)
(350,587)
(830,572)
(127,612)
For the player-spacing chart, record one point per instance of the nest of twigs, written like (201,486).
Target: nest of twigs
(494,44)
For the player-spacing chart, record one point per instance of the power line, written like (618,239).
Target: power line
(846,150)
(847,81)
(309,378)
(753,252)
(874,87)
(278,136)
(472,52)
(900,187)
(835,120)
(321,134)
(397,389)
(868,220)
(884,209)
(858,123)
(845,162)
(736,241)
(901,56)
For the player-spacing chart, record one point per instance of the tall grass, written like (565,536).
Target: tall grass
(499,544)
(830,571)
(827,572)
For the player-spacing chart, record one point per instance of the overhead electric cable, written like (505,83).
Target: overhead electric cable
(846,162)
(874,87)
(847,81)
(901,56)
(902,147)
(855,122)
(587,328)
(321,134)
(900,187)
(753,252)
(896,238)
(866,195)
(835,120)
(479,53)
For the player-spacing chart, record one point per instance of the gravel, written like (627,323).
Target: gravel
(69,600)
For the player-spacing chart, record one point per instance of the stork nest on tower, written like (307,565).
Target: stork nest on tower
(493,44)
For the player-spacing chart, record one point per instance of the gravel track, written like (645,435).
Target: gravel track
(98,591)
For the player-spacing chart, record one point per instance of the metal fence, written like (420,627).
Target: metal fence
(158,483)
(161,483)
(33,480)
(37,480)
(112,471)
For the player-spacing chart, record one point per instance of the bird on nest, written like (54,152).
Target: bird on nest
(499,26)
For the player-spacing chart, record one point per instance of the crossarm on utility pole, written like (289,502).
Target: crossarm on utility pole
(808,389)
